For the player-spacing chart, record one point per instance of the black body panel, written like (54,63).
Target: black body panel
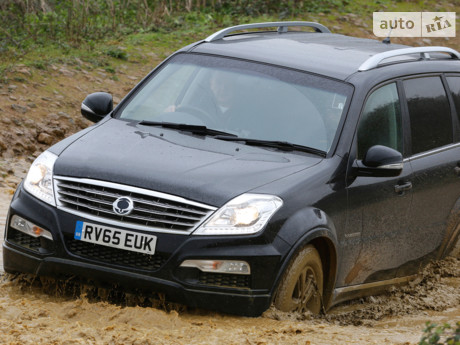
(175,162)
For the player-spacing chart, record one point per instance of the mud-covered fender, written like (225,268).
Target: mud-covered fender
(311,226)
(307,222)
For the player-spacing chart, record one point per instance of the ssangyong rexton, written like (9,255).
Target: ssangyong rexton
(288,167)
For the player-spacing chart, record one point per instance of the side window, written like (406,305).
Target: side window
(454,85)
(380,122)
(429,112)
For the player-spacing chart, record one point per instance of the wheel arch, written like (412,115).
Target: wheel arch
(328,255)
(321,234)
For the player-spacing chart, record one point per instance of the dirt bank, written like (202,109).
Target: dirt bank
(40,107)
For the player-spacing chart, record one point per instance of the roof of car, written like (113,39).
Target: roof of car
(334,55)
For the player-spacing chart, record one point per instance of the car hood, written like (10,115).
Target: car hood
(195,167)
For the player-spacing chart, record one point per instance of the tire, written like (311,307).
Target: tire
(301,287)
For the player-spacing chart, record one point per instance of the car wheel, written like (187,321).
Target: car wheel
(301,287)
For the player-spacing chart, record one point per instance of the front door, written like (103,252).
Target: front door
(379,207)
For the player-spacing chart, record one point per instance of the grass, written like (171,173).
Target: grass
(185,28)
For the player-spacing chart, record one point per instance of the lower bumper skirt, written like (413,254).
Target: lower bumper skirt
(240,304)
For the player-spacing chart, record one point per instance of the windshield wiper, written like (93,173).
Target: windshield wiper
(195,129)
(282,145)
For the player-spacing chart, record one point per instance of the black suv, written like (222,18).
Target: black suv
(300,168)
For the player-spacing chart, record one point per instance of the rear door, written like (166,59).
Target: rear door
(435,161)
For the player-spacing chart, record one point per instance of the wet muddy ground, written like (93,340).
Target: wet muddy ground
(43,311)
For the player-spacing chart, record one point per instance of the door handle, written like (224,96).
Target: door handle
(400,188)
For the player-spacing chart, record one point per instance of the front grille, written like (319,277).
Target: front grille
(225,280)
(116,256)
(152,210)
(23,240)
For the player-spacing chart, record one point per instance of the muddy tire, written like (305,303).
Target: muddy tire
(301,287)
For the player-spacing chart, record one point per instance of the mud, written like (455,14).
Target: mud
(34,311)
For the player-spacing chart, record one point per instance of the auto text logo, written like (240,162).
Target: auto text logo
(414,24)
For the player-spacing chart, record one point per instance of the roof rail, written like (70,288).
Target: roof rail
(376,59)
(282,27)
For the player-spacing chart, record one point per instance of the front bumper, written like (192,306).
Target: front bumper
(63,257)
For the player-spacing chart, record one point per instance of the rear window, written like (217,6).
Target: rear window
(454,85)
(429,112)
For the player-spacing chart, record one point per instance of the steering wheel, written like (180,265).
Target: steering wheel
(200,114)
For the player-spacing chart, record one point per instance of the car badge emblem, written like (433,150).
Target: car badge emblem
(123,206)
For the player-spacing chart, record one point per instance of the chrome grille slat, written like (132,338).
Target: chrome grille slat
(159,205)
(75,195)
(145,210)
(108,203)
(73,202)
(154,211)
(138,200)
(130,216)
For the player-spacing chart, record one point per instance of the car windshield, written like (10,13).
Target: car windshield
(246,99)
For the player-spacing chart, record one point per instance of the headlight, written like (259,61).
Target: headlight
(39,179)
(246,214)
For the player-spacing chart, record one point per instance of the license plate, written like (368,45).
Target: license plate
(115,238)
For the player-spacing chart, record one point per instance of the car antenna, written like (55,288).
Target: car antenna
(387,39)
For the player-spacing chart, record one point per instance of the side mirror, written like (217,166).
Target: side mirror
(380,161)
(96,106)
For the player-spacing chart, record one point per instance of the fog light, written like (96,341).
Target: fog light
(29,228)
(219,266)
